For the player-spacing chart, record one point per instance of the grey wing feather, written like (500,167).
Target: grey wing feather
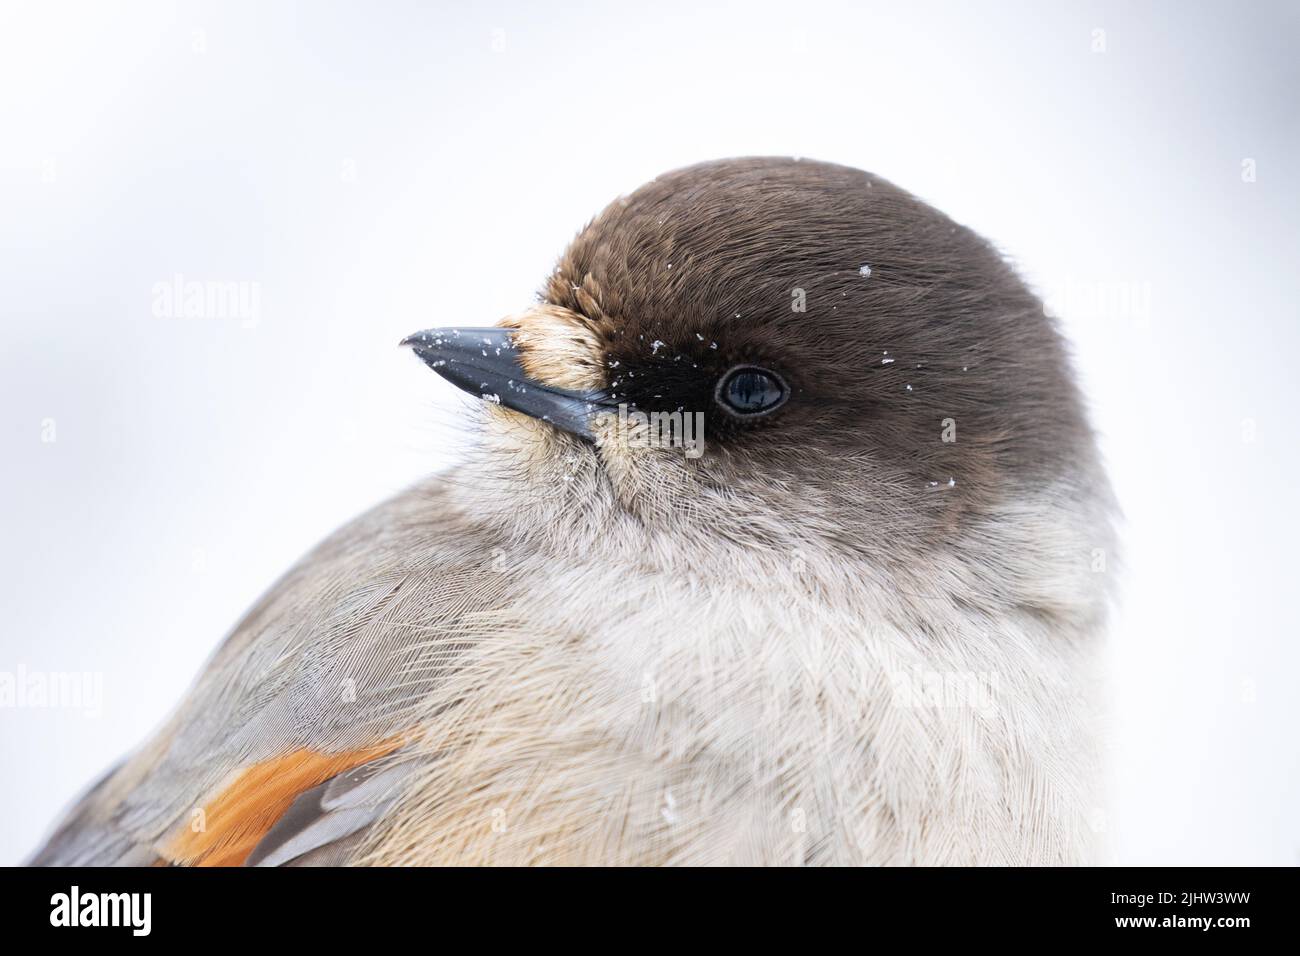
(362,609)
(84,840)
(324,825)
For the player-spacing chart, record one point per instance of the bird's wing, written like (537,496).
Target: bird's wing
(292,741)
(324,825)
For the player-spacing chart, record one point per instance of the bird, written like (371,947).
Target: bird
(777,543)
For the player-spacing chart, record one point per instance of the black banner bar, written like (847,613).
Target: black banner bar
(1227,905)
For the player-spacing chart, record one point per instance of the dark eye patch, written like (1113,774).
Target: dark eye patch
(747,391)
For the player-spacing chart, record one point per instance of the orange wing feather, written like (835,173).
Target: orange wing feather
(237,818)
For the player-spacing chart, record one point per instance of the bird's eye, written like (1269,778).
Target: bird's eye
(747,391)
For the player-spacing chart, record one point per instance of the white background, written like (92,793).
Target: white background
(381,168)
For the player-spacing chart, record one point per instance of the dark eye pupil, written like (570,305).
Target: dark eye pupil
(751,390)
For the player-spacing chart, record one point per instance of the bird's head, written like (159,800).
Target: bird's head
(784,352)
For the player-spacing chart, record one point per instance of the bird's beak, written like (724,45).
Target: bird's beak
(485,362)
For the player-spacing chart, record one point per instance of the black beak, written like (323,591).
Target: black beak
(485,362)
